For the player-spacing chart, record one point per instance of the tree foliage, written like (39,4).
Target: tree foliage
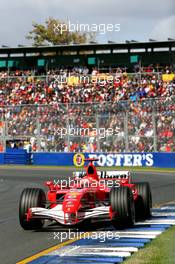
(54,32)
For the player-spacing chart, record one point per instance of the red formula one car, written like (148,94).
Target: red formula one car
(91,194)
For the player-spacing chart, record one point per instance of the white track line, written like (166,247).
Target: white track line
(154,223)
(123,249)
(159,221)
(139,232)
(114,254)
(163,214)
(167,207)
(68,251)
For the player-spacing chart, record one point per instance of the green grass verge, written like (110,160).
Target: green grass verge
(160,251)
(151,169)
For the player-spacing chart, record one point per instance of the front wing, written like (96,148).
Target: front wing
(57,214)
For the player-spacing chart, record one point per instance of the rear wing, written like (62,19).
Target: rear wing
(118,175)
(79,174)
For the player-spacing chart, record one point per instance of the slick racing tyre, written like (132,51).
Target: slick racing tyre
(31,197)
(143,204)
(122,203)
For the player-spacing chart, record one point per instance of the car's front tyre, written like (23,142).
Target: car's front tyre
(31,197)
(122,204)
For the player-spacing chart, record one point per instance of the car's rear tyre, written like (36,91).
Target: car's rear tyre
(122,203)
(31,197)
(143,204)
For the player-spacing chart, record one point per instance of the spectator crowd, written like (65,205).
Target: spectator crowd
(140,108)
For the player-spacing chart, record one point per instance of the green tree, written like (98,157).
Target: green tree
(56,32)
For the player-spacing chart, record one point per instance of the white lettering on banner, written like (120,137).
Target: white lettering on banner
(127,160)
(118,159)
(110,160)
(137,160)
(102,160)
(133,160)
(93,156)
(149,160)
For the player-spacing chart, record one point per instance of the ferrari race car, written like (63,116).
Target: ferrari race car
(90,194)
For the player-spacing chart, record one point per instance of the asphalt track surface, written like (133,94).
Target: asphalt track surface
(17,244)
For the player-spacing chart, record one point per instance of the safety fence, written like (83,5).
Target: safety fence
(62,77)
(118,127)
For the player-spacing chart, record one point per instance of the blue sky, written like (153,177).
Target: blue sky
(138,19)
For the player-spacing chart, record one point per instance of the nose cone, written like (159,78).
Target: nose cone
(71,202)
(91,171)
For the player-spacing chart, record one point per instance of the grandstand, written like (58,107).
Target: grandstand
(104,56)
(42,94)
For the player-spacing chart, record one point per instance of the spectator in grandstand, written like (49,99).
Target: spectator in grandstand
(108,100)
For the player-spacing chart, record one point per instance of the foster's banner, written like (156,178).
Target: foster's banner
(155,159)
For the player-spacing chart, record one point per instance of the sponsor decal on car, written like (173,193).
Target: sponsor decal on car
(78,160)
